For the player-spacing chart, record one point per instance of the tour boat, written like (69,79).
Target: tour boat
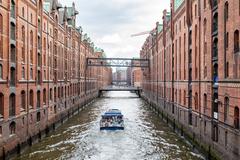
(112,120)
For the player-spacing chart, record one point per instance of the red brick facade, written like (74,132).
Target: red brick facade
(42,68)
(194,73)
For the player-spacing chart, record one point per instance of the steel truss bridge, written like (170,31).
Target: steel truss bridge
(117,62)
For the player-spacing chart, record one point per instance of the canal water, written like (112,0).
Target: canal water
(146,136)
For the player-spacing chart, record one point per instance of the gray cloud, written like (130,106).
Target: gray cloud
(111,22)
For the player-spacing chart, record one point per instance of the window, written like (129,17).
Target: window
(236,117)
(55,94)
(227,70)
(205,29)
(195,10)
(31,47)
(12,105)
(13,31)
(226,11)
(226,108)
(31,99)
(38,99)
(31,73)
(12,78)
(23,100)
(55,109)
(1,71)
(13,53)
(23,12)
(1,36)
(39,77)
(12,128)
(215,48)
(44,96)
(215,105)
(38,116)
(236,41)
(13,9)
(215,74)
(23,73)
(226,39)
(215,23)
(1,105)
(205,103)
(50,94)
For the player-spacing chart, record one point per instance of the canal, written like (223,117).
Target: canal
(146,136)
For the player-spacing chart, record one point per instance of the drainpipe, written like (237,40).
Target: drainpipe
(199,65)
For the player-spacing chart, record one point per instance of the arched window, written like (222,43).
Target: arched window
(23,73)
(31,73)
(38,116)
(226,108)
(205,103)
(12,128)
(13,31)
(23,12)
(236,117)
(13,53)
(1,36)
(1,71)
(12,77)
(12,105)
(1,105)
(215,23)
(215,48)
(38,99)
(50,96)
(39,77)
(31,46)
(55,94)
(44,96)
(13,9)
(226,11)
(23,100)
(31,98)
(236,41)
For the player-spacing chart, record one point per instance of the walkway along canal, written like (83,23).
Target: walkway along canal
(145,136)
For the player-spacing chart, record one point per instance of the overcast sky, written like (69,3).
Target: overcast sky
(110,23)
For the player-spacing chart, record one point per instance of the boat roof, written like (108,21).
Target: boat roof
(113,112)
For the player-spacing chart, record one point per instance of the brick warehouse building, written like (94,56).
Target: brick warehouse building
(42,70)
(195,52)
